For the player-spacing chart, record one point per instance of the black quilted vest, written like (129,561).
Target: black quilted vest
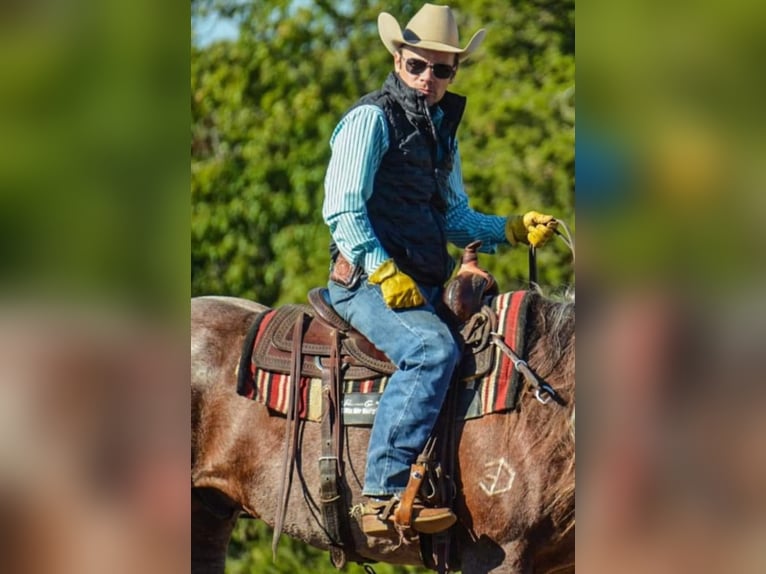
(407,206)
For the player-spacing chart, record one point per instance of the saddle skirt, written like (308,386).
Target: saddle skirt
(487,379)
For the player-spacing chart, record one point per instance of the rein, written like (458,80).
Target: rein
(566,237)
(543,391)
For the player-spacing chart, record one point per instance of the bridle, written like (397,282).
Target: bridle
(543,391)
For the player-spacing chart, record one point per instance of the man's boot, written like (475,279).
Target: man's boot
(405,512)
(379,518)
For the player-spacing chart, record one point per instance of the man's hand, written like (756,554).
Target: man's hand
(399,289)
(532,228)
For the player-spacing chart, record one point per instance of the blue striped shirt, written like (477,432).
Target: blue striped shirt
(358,144)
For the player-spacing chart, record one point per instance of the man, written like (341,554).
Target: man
(394,198)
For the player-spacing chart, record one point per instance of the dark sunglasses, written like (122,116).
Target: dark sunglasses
(417,67)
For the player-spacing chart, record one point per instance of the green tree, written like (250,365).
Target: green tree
(264,106)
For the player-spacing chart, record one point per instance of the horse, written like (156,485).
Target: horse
(515,479)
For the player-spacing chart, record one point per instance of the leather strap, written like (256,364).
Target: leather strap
(291,432)
(532,267)
(438,551)
(403,516)
(442,542)
(329,461)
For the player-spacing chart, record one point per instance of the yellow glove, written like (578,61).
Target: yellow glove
(399,289)
(532,228)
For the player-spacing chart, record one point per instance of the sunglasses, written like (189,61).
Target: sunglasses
(417,67)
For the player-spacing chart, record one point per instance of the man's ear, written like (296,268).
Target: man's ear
(457,67)
(397,60)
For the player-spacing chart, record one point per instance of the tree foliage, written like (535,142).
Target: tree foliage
(264,106)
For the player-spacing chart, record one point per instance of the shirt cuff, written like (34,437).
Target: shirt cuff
(374,259)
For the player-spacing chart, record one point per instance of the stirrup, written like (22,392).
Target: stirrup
(380,518)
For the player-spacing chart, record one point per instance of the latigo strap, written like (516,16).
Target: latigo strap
(403,516)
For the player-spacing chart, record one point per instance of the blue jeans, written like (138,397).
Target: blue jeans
(421,345)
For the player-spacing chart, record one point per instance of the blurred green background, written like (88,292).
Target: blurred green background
(670,170)
(93,156)
(265,102)
(671,204)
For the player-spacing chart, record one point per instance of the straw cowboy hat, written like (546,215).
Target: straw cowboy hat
(432,28)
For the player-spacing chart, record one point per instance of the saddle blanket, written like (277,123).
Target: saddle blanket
(496,391)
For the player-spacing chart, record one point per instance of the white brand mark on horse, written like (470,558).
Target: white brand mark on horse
(501,480)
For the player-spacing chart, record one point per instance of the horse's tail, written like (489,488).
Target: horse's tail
(245,380)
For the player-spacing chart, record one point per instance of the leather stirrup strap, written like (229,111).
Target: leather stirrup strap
(403,515)
(442,542)
(291,431)
(329,461)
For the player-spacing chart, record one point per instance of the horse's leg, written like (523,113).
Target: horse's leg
(213,520)
(484,556)
(556,558)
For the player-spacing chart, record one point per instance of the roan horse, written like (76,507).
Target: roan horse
(515,470)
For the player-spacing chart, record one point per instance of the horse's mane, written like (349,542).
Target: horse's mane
(551,345)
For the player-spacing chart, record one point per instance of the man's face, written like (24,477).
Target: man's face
(426,81)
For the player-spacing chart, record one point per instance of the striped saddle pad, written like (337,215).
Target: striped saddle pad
(488,383)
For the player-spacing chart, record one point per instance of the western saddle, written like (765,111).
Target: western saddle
(314,341)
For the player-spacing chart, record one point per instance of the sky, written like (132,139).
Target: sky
(213,27)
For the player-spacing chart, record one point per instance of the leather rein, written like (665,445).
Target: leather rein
(543,391)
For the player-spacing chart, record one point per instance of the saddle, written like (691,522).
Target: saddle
(360,359)
(461,307)
(274,350)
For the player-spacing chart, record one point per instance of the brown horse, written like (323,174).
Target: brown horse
(516,470)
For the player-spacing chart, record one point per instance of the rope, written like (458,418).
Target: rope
(566,237)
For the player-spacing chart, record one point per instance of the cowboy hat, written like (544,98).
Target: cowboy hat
(432,28)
